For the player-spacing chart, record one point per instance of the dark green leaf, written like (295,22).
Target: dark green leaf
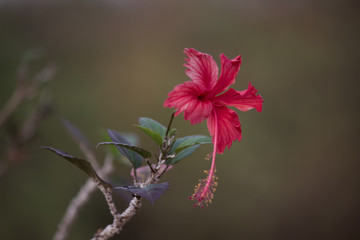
(150,192)
(75,133)
(183,147)
(157,137)
(191,141)
(153,128)
(134,157)
(132,138)
(153,125)
(144,153)
(184,153)
(80,163)
(112,149)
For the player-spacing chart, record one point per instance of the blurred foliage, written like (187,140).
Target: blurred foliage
(293,176)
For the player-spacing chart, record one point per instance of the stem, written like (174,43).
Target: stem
(204,190)
(212,168)
(14,101)
(169,125)
(150,165)
(73,209)
(165,169)
(79,200)
(121,219)
(108,196)
(136,180)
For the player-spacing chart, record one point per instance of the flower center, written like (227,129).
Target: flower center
(201,97)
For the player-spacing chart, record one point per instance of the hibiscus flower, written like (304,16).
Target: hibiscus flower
(207,96)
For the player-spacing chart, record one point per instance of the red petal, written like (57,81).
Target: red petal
(229,71)
(242,100)
(185,99)
(228,124)
(201,68)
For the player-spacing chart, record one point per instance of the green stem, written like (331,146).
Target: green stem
(167,166)
(169,125)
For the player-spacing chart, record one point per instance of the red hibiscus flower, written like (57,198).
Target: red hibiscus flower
(207,96)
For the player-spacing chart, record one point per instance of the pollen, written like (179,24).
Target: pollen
(205,189)
(208,157)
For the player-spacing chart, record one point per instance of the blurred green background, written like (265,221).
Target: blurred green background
(295,174)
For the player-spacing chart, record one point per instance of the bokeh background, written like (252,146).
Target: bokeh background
(295,174)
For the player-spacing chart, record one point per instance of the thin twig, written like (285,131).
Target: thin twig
(163,171)
(32,123)
(25,89)
(107,191)
(169,125)
(16,98)
(150,165)
(73,209)
(121,219)
(80,199)
(90,155)
(19,136)
(82,142)
(136,180)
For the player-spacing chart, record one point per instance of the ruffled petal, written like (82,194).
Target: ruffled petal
(186,98)
(201,68)
(229,71)
(228,124)
(242,100)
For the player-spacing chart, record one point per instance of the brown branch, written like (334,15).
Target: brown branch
(24,90)
(80,199)
(20,136)
(121,219)
(16,98)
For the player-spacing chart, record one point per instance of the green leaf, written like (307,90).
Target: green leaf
(80,163)
(184,153)
(184,142)
(157,137)
(134,157)
(112,149)
(132,138)
(154,129)
(191,141)
(153,125)
(150,192)
(144,153)
(183,147)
